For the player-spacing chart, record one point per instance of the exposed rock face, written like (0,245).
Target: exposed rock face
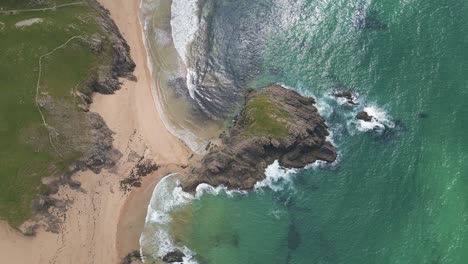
(106,81)
(364,116)
(350,99)
(132,257)
(174,256)
(93,140)
(275,124)
(101,154)
(143,168)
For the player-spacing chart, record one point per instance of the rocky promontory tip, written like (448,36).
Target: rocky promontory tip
(275,124)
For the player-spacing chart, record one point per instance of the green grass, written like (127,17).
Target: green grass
(264,118)
(25,152)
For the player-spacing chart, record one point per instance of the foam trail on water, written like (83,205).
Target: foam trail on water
(185,24)
(206,188)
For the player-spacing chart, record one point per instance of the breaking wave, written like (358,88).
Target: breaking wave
(380,120)
(156,240)
(184,24)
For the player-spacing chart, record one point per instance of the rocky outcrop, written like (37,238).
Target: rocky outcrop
(143,168)
(350,98)
(364,116)
(132,257)
(174,256)
(84,134)
(106,81)
(101,154)
(275,124)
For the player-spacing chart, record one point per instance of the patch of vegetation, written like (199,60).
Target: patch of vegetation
(264,118)
(26,155)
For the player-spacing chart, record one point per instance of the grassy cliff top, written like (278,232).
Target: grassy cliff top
(26,154)
(265,118)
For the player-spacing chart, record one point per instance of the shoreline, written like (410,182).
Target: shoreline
(102,224)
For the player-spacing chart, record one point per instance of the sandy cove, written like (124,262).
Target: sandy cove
(103,224)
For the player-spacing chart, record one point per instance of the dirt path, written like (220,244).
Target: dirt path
(18,11)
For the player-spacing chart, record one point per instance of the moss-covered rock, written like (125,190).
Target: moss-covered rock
(276,124)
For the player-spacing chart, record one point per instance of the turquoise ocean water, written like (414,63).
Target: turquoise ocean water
(399,196)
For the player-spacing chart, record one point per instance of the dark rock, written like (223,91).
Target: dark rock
(241,160)
(101,154)
(174,256)
(350,98)
(141,169)
(364,116)
(132,257)
(122,65)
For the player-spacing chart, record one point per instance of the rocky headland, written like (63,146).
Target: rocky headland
(276,123)
(87,134)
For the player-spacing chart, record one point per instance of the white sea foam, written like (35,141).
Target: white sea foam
(162,37)
(191,76)
(185,24)
(277,177)
(380,120)
(167,195)
(324,108)
(206,188)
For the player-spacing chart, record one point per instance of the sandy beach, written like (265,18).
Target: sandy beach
(102,223)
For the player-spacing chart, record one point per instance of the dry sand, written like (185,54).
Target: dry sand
(103,223)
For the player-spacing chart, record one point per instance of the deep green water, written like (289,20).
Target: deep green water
(401,197)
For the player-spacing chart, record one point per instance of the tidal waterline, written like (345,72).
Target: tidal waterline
(178,111)
(397,197)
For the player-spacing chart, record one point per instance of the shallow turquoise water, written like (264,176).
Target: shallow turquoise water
(401,197)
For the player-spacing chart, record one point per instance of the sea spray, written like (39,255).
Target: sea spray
(380,120)
(276,177)
(156,240)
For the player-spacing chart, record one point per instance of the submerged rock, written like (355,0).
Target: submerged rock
(423,115)
(275,124)
(367,19)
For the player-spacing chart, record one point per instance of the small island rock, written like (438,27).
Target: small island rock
(276,123)
(364,116)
